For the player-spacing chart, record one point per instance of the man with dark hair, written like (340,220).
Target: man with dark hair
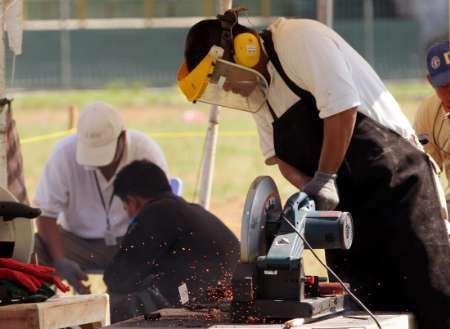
(327,121)
(172,249)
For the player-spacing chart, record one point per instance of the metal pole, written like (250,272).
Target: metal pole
(3,139)
(64,39)
(368,14)
(207,176)
(2,52)
(206,179)
(325,12)
(7,233)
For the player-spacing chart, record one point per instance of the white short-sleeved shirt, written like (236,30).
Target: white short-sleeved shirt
(318,60)
(68,191)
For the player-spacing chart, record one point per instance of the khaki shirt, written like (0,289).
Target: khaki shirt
(431,120)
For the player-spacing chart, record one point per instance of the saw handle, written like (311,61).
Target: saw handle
(10,210)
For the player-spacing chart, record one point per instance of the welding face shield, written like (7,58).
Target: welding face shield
(220,82)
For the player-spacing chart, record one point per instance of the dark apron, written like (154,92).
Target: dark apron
(400,258)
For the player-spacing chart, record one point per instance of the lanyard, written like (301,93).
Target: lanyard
(100,194)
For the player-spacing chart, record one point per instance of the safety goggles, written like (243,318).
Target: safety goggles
(220,82)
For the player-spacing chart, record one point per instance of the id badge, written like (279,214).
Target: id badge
(110,238)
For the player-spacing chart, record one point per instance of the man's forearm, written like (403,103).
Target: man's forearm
(337,133)
(292,174)
(49,233)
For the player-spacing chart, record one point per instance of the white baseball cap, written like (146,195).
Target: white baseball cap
(98,129)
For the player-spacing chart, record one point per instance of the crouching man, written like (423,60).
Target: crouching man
(173,250)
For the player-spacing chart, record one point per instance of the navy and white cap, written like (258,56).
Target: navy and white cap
(438,63)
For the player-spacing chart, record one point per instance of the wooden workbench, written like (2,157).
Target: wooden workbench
(180,318)
(86,311)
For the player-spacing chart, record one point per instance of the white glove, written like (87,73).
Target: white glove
(322,188)
(72,272)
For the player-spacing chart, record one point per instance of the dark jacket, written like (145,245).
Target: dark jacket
(170,243)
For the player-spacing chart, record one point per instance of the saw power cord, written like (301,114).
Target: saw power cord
(356,299)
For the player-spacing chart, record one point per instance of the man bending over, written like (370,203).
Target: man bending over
(172,249)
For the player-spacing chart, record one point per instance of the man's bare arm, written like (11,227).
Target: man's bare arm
(337,133)
(292,174)
(68,269)
(49,232)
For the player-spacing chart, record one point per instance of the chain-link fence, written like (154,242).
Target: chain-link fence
(89,43)
(90,9)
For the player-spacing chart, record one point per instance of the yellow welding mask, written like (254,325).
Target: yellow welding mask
(220,82)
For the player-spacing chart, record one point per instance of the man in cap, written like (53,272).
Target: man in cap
(432,122)
(76,188)
(335,132)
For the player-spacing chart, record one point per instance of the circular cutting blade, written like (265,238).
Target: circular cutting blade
(19,230)
(262,203)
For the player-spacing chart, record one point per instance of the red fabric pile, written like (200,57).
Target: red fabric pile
(29,275)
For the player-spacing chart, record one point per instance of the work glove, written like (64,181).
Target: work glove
(72,272)
(43,273)
(322,188)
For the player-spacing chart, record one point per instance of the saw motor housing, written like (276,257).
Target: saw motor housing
(269,281)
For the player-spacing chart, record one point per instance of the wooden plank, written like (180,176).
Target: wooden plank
(19,320)
(57,313)
(19,316)
(76,310)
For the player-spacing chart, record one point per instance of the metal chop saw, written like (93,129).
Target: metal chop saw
(16,228)
(269,281)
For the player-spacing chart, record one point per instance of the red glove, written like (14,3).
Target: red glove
(44,273)
(27,280)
